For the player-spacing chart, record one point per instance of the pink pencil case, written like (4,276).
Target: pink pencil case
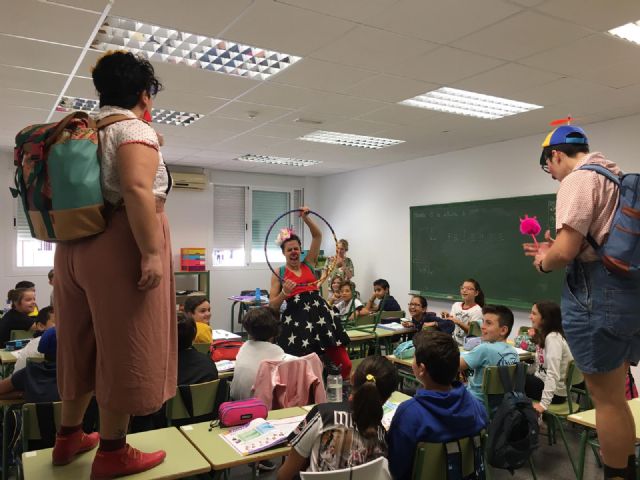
(240,412)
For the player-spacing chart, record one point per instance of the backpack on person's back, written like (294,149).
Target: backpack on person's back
(58,177)
(620,252)
(513,431)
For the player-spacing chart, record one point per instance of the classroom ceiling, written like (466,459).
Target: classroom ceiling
(359,58)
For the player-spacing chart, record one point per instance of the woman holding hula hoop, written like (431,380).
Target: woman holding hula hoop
(308,323)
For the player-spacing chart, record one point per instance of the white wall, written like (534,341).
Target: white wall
(370,207)
(191,218)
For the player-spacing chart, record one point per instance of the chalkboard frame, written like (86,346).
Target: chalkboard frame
(454,296)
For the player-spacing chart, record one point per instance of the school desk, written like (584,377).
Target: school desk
(182,460)
(245,302)
(7,361)
(221,455)
(588,419)
(365,333)
(7,406)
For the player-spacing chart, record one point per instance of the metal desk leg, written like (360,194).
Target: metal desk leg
(233,314)
(583,450)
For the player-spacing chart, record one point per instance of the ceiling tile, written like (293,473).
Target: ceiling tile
(399,115)
(285,28)
(82,88)
(581,56)
(390,88)
(38,55)
(506,80)
(36,19)
(249,143)
(27,99)
(442,22)
(321,75)
(561,90)
(24,79)
(340,105)
(186,102)
(283,130)
(286,96)
(373,49)
(617,75)
(446,65)
(254,112)
(599,15)
(356,126)
(527,33)
(355,10)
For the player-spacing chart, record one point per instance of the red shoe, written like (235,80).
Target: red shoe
(68,446)
(124,461)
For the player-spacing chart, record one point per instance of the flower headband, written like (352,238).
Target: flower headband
(284,235)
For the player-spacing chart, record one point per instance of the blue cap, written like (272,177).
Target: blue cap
(48,343)
(566,134)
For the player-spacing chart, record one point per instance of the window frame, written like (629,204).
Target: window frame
(35,270)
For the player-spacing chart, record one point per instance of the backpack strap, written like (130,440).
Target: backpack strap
(610,176)
(46,422)
(505,379)
(64,123)
(111,119)
(187,399)
(520,376)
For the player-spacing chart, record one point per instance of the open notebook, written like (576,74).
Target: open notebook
(261,434)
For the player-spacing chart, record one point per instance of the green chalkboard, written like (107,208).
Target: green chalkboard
(481,240)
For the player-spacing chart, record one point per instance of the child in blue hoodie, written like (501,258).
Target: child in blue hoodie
(442,411)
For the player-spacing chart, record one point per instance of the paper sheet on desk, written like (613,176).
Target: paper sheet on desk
(389,410)
(224,335)
(391,326)
(261,434)
(225,365)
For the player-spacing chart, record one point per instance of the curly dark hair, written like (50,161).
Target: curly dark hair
(120,77)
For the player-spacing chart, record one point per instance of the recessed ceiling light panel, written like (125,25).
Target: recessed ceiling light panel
(629,31)
(463,102)
(349,139)
(158,115)
(172,46)
(268,159)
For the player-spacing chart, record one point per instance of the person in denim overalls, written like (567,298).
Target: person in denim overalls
(599,309)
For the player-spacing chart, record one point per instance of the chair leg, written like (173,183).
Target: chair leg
(566,445)
(532,468)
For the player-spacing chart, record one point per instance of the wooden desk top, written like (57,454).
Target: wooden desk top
(220,454)
(182,459)
(588,417)
(7,357)
(360,335)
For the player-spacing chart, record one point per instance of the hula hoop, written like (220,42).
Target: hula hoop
(329,268)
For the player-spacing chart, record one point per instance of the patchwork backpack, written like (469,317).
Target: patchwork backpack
(513,431)
(620,253)
(58,177)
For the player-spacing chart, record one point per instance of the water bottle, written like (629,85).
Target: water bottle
(258,296)
(334,384)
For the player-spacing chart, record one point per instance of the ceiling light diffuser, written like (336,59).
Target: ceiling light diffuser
(158,115)
(173,46)
(349,139)
(629,31)
(291,162)
(463,102)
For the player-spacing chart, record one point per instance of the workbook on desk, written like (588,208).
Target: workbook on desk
(261,434)
(389,410)
(225,365)
(224,335)
(391,326)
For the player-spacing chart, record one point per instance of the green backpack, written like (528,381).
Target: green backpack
(58,177)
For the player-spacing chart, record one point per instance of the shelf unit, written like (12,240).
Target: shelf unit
(202,281)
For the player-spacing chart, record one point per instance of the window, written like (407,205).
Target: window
(30,252)
(242,217)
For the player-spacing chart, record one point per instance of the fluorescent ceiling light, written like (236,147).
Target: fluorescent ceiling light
(462,102)
(291,162)
(172,46)
(158,115)
(629,31)
(349,139)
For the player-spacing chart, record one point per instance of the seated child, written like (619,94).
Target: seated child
(349,305)
(45,320)
(380,290)
(441,411)
(339,435)
(26,284)
(199,308)
(334,293)
(546,382)
(37,381)
(421,318)
(494,349)
(193,366)
(23,303)
(468,310)
(263,326)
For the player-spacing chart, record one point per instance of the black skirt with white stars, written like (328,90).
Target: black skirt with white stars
(310,325)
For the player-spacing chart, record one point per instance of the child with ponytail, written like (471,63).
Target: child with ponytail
(343,435)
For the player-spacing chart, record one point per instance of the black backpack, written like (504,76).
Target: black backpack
(513,431)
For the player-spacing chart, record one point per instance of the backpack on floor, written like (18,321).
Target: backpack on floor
(620,252)
(513,432)
(58,177)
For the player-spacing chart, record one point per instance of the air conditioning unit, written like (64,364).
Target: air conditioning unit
(192,181)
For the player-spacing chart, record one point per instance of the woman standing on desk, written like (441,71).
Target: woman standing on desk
(115,294)
(308,323)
